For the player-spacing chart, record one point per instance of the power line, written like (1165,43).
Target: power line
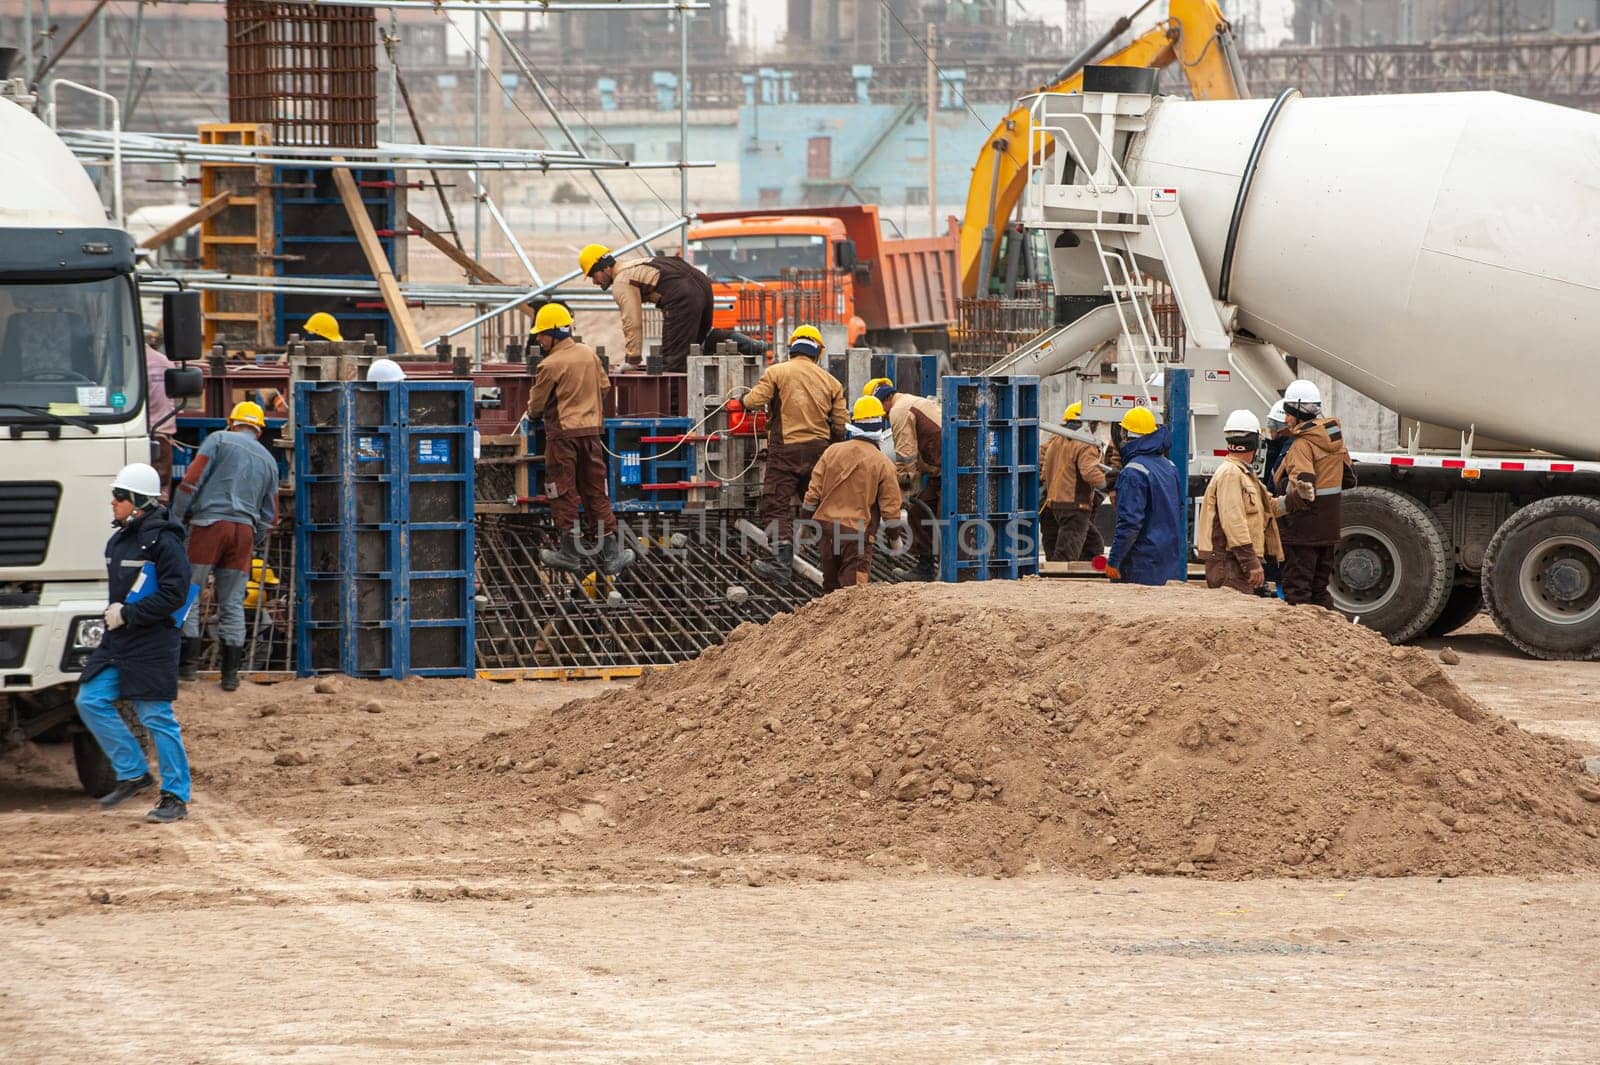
(926,55)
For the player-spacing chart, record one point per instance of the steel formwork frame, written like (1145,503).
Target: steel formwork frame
(306,70)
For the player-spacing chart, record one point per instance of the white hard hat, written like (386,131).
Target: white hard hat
(1302,393)
(385,370)
(1275,416)
(139,478)
(1241,421)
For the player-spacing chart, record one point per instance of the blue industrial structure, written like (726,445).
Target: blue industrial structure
(989,503)
(384,528)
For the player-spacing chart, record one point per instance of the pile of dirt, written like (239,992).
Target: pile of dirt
(1055,726)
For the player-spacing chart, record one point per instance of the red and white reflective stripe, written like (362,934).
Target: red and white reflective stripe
(1440,462)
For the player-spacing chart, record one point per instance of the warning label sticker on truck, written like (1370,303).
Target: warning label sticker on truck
(1163,195)
(1219,375)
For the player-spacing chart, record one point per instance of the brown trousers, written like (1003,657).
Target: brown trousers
(1069,533)
(575,470)
(788,476)
(846,555)
(923,526)
(1306,569)
(1224,571)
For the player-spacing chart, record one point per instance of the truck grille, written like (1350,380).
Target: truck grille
(27,514)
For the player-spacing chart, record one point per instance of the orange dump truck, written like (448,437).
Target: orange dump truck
(828,265)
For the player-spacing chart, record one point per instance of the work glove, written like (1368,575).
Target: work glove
(1305,491)
(632,367)
(114,616)
(1113,574)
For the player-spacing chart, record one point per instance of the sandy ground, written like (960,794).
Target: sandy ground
(307,913)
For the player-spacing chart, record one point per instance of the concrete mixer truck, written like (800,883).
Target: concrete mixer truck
(1439,253)
(73,411)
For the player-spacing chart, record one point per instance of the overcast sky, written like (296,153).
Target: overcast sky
(767,17)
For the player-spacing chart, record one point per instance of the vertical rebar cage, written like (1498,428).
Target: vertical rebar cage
(307,70)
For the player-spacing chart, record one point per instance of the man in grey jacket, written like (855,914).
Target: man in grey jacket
(229,500)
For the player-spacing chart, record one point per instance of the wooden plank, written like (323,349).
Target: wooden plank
(187,222)
(377,262)
(472,266)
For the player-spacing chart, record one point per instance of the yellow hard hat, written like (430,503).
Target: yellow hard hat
(591,254)
(552,316)
(873,385)
(806,332)
(252,587)
(247,413)
(1139,421)
(867,408)
(324,325)
(1073,413)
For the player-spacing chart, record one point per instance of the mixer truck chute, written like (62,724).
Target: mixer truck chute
(1434,252)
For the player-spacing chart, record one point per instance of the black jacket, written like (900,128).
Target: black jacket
(145,649)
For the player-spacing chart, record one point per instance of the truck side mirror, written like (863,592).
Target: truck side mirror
(844,255)
(863,273)
(184,381)
(180,326)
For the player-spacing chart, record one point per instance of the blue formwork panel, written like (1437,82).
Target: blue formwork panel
(989,499)
(913,374)
(384,520)
(650,466)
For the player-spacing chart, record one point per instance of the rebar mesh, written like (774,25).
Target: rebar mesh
(307,70)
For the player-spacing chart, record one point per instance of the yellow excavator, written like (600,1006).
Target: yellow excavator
(1195,35)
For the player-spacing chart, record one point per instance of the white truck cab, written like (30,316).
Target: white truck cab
(73,411)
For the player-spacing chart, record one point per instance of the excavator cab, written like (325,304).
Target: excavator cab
(1023,256)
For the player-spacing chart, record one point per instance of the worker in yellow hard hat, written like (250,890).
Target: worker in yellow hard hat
(324,325)
(229,500)
(1071,480)
(917,425)
(568,393)
(809,414)
(852,491)
(1150,545)
(683,295)
(261,575)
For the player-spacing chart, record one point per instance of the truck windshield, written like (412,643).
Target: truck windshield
(759,257)
(70,349)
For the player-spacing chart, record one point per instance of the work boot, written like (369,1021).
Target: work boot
(231,657)
(924,570)
(169,809)
(779,568)
(189,658)
(126,789)
(614,558)
(566,556)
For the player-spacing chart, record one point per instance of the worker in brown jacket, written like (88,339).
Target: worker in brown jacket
(569,394)
(1314,473)
(805,413)
(917,426)
(1070,474)
(1237,532)
(853,488)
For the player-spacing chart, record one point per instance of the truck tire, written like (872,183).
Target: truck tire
(1541,578)
(94,768)
(1392,570)
(1464,603)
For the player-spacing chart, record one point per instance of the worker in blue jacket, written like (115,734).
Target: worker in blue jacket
(1149,546)
(137,660)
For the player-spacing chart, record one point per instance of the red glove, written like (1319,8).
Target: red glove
(1112,573)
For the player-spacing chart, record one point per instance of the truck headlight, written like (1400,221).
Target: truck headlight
(88,632)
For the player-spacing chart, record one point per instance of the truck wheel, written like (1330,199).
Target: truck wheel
(1464,604)
(1541,578)
(94,768)
(1392,568)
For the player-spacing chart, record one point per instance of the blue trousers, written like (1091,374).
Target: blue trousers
(97,699)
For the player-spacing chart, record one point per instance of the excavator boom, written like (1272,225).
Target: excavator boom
(1195,34)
